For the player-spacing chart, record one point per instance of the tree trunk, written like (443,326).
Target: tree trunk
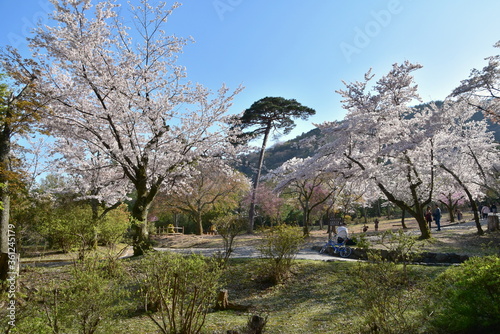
(140,233)
(7,237)
(493,224)
(475,210)
(7,231)
(306,219)
(222,300)
(199,223)
(424,228)
(416,211)
(379,209)
(251,214)
(469,196)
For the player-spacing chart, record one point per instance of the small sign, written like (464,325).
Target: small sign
(334,221)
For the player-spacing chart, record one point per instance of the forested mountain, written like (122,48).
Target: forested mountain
(304,146)
(301,146)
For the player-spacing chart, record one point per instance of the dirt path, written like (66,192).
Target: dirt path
(460,238)
(454,238)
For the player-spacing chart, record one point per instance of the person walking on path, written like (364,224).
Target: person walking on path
(437,217)
(428,216)
(485,210)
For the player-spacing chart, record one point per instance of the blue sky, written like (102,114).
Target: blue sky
(304,49)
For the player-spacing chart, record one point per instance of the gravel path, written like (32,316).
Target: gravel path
(306,253)
(250,252)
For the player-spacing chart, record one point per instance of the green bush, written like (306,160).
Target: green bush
(68,227)
(467,297)
(86,303)
(390,294)
(228,227)
(113,226)
(278,248)
(388,299)
(71,226)
(177,290)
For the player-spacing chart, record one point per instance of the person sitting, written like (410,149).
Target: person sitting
(343,235)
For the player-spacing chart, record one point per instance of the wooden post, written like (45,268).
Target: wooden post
(331,223)
(222,300)
(493,223)
(224,304)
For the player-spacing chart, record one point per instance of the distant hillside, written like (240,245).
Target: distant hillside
(277,154)
(495,127)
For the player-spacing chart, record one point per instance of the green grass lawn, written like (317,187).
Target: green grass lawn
(318,298)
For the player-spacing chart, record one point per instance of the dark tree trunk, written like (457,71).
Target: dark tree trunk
(8,239)
(469,196)
(251,213)
(199,223)
(140,233)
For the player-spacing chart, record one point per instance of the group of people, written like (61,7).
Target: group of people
(433,215)
(485,210)
(430,216)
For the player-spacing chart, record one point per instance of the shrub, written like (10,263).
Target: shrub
(388,299)
(389,295)
(72,226)
(401,247)
(85,304)
(279,247)
(68,227)
(113,226)
(466,298)
(228,227)
(177,290)
(361,241)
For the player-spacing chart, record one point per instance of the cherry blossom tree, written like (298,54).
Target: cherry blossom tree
(210,185)
(450,194)
(384,141)
(119,90)
(309,183)
(466,150)
(452,200)
(94,177)
(269,203)
(352,194)
(482,88)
